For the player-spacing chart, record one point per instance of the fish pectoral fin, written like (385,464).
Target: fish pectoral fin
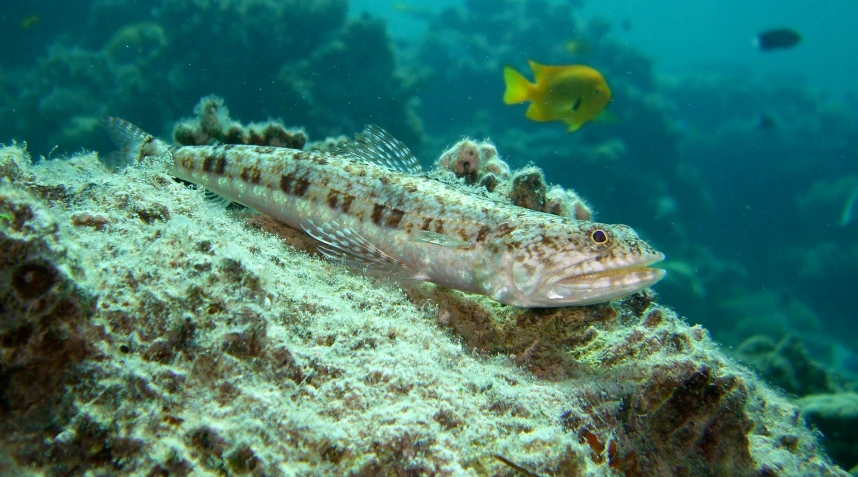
(574,126)
(576,105)
(536,113)
(440,239)
(216,199)
(517,86)
(376,146)
(346,245)
(607,117)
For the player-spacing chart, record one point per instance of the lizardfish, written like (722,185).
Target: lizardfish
(370,204)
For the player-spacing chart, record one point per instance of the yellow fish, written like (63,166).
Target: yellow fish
(574,94)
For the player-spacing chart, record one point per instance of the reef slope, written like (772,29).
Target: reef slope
(146,331)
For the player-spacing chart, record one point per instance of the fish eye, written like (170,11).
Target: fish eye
(600,236)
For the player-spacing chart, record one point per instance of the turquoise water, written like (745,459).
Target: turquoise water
(685,36)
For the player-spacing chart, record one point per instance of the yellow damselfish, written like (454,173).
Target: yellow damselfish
(573,94)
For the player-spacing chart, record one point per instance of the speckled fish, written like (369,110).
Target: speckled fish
(370,205)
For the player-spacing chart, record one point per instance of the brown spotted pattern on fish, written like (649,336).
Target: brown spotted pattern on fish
(369,205)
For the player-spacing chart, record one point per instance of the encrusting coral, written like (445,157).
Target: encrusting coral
(213,124)
(148,332)
(478,163)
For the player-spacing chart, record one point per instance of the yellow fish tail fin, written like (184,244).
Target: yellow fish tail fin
(517,86)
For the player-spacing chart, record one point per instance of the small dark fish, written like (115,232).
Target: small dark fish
(766,122)
(777,38)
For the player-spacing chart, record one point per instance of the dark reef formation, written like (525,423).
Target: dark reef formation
(300,60)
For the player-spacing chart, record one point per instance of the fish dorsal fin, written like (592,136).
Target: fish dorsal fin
(345,244)
(539,70)
(376,146)
(134,143)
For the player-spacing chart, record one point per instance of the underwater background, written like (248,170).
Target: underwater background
(741,164)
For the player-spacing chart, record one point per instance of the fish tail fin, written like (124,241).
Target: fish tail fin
(134,144)
(517,86)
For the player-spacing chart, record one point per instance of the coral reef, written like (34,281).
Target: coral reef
(286,58)
(810,159)
(757,221)
(197,342)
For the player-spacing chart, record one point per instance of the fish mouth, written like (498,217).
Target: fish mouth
(621,281)
(640,270)
(611,282)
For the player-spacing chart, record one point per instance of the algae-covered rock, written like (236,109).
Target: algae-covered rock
(836,415)
(43,306)
(786,364)
(478,163)
(179,338)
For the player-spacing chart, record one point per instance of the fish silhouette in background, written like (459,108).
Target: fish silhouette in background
(777,39)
